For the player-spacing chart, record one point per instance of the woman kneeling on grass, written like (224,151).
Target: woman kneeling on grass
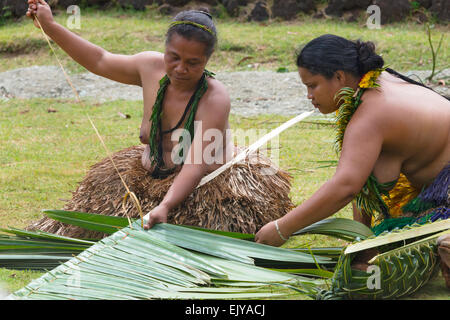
(393,135)
(178,92)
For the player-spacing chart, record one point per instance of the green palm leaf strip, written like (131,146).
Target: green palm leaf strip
(96,222)
(236,235)
(345,229)
(231,245)
(264,256)
(231,248)
(37,250)
(401,235)
(110,224)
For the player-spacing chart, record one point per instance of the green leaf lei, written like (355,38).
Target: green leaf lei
(369,198)
(155,118)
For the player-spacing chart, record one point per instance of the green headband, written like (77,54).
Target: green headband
(174,23)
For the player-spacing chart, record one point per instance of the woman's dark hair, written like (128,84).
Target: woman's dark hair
(192,32)
(329,53)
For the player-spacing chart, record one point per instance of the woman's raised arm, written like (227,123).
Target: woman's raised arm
(121,68)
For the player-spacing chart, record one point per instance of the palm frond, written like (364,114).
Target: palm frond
(37,250)
(408,232)
(345,229)
(95,222)
(137,264)
(179,262)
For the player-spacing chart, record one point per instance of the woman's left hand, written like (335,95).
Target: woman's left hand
(157,215)
(269,235)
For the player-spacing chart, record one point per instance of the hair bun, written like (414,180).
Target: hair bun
(365,49)
(203,10)
(367,58)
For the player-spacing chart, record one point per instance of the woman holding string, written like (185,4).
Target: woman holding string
(184,109)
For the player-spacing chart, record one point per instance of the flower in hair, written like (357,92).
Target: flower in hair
(369,80)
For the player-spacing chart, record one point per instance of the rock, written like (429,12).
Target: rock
(319,15)
(210,2)
(306,5)
(441,9)
(259,12)
(241,3)
(64,4)
(232,7)
(166,9)
(337,7)
(67,3)
(425,3)
(288,9)
(352,15)
(14,9)
(393,11)
(285,9)
(420,17)
(176,3)
(98,3)
(135,4)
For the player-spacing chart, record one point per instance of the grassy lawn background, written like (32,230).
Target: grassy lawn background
(44,155)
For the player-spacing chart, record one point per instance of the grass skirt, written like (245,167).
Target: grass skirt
(241,199)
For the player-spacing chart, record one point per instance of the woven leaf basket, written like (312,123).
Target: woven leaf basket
(408,260)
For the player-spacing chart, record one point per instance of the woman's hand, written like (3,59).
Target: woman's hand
(41,10)
(269,235)
(157,215)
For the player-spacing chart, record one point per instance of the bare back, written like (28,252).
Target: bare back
(415,122)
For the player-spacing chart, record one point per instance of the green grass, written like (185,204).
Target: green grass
(44,155)
(267,46)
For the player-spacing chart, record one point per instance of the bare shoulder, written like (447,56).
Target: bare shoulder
(149,60)
(217,99)
(373,110)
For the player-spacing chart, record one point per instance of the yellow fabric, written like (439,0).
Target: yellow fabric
(402,193)
(399,196)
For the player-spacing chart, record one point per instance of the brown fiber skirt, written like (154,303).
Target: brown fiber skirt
(241,199)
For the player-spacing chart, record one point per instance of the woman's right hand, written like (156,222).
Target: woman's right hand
(41,10)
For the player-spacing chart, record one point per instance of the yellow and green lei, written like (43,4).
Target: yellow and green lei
(369,198)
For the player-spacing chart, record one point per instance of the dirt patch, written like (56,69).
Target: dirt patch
(251,92)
